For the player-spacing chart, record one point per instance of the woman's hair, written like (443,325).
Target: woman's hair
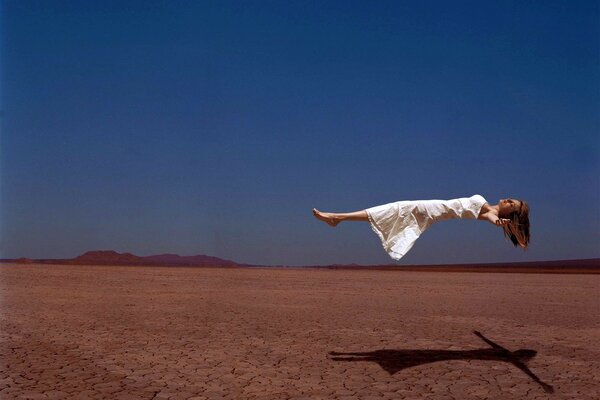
(517,230)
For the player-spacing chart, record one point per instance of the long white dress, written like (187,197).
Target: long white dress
(400,224)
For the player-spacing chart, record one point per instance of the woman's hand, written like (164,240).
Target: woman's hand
(493,218)
(502,222)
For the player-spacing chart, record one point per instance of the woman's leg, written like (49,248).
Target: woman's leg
(335,218)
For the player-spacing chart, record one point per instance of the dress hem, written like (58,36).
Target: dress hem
(394,255)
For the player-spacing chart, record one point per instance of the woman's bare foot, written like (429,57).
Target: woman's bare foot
(326,217)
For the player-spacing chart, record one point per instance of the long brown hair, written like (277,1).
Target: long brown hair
(517,230)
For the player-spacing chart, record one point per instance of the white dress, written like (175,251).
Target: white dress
(400,224)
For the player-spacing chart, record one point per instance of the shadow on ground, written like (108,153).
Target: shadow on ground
(396,360)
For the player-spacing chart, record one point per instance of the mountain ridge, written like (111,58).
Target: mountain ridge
(111,257)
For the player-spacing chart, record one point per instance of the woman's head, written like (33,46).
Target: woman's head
(517,230)
(507,207)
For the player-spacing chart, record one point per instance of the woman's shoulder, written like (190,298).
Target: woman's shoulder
(481,205)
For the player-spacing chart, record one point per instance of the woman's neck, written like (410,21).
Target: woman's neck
(494,208)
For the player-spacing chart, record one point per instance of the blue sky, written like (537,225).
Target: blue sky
(215,127)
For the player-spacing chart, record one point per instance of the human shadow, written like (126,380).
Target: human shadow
(396,360)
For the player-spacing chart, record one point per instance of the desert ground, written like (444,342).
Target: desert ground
(115,332)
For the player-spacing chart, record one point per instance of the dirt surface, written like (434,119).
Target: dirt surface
(104,332)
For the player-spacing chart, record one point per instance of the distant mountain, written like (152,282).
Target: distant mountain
(174,259)
(111,257)
(106,257)
(588,265)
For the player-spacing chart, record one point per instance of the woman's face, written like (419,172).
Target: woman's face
(508,206)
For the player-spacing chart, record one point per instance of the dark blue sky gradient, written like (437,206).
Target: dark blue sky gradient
(215,127)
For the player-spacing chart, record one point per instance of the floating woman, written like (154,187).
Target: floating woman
(400,224)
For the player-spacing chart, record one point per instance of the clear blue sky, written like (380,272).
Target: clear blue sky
(215,127)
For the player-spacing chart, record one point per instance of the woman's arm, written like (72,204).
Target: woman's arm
(493,218)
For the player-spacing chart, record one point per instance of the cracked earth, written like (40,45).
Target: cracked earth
(100,332)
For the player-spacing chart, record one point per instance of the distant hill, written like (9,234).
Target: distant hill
(106,257)
(187,260)
(588,265)
(111,257)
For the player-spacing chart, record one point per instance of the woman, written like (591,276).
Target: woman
(400,224)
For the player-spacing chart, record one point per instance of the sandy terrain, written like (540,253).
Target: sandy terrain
(188,333)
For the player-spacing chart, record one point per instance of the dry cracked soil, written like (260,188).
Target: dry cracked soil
(110,332)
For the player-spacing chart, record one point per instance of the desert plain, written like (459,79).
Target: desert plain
(117,332)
